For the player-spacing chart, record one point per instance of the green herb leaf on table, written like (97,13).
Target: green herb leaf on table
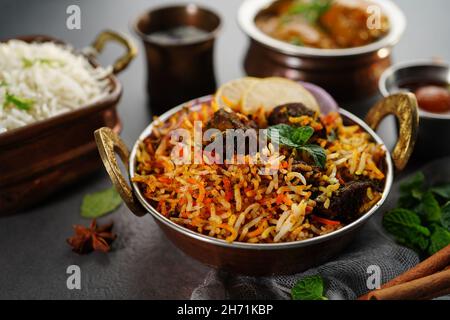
(417,194)
(430,208)
(18,102)
(422,220)
(411,192)
(442,191)
(414,185)
(309,288)
(440,238)
(445,216)
(100,203)
(406,226)
(408,202)
(297,137)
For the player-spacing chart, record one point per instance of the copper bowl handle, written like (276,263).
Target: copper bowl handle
(108,35)
(404,107)
(108,144)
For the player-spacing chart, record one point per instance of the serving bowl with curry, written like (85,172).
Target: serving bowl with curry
(341,45)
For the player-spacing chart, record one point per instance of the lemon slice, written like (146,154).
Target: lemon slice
(230,94)
(272,92)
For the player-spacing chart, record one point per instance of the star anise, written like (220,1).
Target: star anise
(94,238)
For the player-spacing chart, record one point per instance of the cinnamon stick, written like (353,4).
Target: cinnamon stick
(438,294)
(433,264)
(425,288)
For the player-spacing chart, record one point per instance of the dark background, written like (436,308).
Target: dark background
(33,252)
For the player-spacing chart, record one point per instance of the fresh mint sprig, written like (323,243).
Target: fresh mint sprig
(422,219)
(309,288)
(297,138)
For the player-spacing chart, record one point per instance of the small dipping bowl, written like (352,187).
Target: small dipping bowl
(434,127)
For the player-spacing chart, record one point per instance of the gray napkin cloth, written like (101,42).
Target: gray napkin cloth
(345,278)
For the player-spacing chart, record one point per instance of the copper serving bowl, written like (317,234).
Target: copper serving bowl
(261,259)
(38,159)
(347,74)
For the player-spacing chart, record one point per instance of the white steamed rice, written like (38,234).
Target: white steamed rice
(50,78)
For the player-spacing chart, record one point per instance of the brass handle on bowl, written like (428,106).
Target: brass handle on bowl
(131,49)
(404,107)
(108,144)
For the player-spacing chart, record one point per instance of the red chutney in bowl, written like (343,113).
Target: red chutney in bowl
(431,96)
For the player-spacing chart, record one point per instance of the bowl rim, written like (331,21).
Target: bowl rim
(389,72)
(250,8)
(255,246)
(211,35)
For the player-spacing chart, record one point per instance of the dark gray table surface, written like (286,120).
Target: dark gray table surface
(143,265)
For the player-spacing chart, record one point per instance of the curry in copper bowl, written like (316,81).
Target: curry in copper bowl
(341,45)
(323,24)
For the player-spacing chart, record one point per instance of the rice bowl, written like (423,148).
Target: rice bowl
(43,80)
(41,157)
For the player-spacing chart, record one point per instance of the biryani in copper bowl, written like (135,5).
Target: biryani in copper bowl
(287,194)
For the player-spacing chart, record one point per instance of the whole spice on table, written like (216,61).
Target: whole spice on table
(429,287)
(92,238)
(433,266)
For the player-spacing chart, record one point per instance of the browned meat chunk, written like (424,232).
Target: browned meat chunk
(347,23)
(223,120)
(346,204)
(281,114)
